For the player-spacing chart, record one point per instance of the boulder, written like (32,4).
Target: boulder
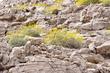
(35,40)
(93,58)
(95,17)
(104,49)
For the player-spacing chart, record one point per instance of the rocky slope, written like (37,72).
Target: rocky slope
(92,21)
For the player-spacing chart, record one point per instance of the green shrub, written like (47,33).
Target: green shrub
(17,38)
(51,8)
(86,2)
(63,37)
(40,4)
(32,30)
(21,6)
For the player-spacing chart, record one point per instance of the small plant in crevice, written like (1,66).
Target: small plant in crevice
(64,37)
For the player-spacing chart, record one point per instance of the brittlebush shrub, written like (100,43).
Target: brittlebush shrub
(21,6)
(86,2)
(51,8)
(63,37)
(17,38)
(32,30)
(40,4)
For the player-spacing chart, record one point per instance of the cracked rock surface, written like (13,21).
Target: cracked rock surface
(92,21)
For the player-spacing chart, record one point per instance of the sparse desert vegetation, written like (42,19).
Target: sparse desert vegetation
(55,36)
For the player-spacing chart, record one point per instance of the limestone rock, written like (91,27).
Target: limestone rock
(104,49)
(35,40)
(93,58)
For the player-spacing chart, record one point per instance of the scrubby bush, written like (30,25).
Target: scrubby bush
(64,37)
(105,2)
(31,30)
(51,8)
(17,38)
(86,2)
(21,6)
(40,4)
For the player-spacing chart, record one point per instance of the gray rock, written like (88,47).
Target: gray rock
(17,55)
(35,40)
(104,49)
(93,58)
(91,71)
(96,17)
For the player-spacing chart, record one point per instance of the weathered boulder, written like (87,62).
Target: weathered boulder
(17,56)
(104,49)
(93,58)
(35,40)
(96,24)
(30,49)
(95,17)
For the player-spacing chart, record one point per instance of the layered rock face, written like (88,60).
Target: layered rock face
(93,21)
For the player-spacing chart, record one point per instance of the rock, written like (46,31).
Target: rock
(96,24)
(41,64)
(93,58)
(96,11)
(78,59)
(91,65)
(84,51)
(103,69)
(16,52)
(104,49)
(5,59)
(67,10)
(35,40)
(17,55)
(7,18)
(27,47)
(91,71)
(20,17)
(67,2)
(31,49)
(5,67)
(95,18)
(49,1)
(15,24)
(3,26)
(84,18)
